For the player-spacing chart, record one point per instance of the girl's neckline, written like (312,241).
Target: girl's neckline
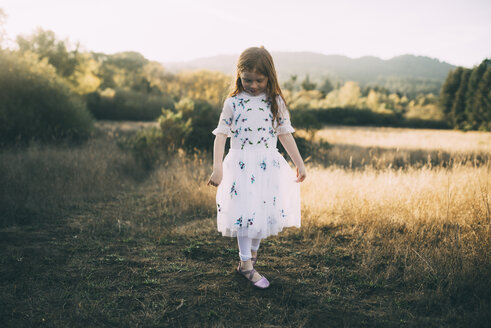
(262,94)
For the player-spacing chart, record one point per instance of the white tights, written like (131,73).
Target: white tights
(247,244)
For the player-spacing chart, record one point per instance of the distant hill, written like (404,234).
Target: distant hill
(424,74)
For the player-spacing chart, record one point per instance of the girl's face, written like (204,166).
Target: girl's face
(254,82)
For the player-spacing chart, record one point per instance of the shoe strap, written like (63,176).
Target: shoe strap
(248,272)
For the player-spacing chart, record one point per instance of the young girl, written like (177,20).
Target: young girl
(258,193)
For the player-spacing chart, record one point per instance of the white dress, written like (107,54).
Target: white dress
(258,195)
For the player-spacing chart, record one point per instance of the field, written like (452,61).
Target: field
(395,233)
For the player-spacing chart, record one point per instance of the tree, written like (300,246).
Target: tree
(448,92)
(482,101)
(326,87)
(291,84)
(307,85)
(458,106)
(471,110)
(46,45)
(349,94)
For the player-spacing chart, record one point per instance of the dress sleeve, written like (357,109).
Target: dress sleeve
(284,124)
(225,122)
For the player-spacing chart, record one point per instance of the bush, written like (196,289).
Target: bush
(204,118)
(127,105)
(147,146)
(187,127)
(311,118)
(36,104)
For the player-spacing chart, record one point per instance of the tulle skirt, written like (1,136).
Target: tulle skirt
(258,195)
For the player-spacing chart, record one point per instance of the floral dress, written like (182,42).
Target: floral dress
(258,195)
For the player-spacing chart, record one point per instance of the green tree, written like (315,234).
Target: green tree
(307,85)
(458,105)
(326,87)
(46,45)
(123,70)
(482,101)
(35,103)
(448,92)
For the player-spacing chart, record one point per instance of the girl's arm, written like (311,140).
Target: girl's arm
(291,148)
(218,150)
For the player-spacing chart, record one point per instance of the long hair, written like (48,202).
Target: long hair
(259,59)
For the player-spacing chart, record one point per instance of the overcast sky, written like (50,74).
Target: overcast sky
(455,31)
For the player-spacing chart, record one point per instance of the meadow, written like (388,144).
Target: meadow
(395,233)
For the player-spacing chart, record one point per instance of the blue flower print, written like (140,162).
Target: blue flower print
(229,121)
(281,120)
(270,118)
(235,108)
(239,222)
(218,208)
(276,163)
(233,191)
(253,179)
(237,119)
(283,215)
(250,221)
(274,201)
(272,132)
(236,132)
(263,165)
(261,129)
(242,102)
(242,165)
(248,129)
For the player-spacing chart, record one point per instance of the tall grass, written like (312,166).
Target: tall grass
(43,182)
(417,232)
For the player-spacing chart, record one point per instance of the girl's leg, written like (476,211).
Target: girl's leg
(245,256)
(255,244)
(244,247)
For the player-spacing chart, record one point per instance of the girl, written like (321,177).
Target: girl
(258,194)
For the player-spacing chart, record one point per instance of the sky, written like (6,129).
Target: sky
(454,31)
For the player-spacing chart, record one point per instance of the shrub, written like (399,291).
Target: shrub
(310,118)
(128,105)
(36,104)
(147,146)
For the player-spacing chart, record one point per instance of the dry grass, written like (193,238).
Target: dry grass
(381,148)
(379,247)
(43,182)
(416,139)
(423,226)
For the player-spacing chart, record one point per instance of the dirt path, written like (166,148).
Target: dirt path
(59,275)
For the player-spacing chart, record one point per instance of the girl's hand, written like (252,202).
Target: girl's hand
(301,173)
(215,178)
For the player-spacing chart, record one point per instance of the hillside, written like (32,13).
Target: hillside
(391,73)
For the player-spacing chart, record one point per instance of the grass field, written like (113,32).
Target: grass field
(395,233)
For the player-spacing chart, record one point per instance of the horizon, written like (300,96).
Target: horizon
(310,52)
(172,31)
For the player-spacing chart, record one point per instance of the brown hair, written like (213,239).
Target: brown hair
(259,60)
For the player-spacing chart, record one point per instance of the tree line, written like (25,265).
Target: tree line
(465,97)
(51,89)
